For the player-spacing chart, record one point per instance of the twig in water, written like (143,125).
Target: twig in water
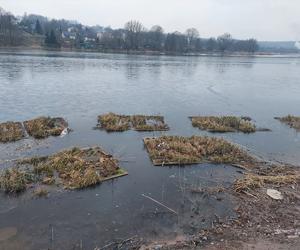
(252,195)
(118,243)
(52,233)
(159,203)
(125,241)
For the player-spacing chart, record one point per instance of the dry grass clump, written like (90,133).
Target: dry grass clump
(223,124)
(113,123)
(11,131)
(149,123)
(208,190)
(76,168)
(252,181)
(176,150)
(13,180)
(292,121)
(40,192)
(43,127)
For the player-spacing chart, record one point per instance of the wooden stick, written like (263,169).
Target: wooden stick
(159,203)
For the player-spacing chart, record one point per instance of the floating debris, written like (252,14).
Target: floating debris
(274,194)
(11,131)
(64,132)
(177,150)
(118,123)
(73,169)
(292,121)
(223,124)
(44,127)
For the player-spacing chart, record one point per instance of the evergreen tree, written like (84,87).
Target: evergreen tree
(51,39)
(38,28)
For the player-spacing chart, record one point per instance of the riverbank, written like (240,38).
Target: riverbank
(265,221)
(4,50)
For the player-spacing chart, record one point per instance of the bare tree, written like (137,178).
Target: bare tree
(134,29)
(9,32)
(155,38)
(225,42)
(192,35)
(211,44)
(157,29)
(176,42)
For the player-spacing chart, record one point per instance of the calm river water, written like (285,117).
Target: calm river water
(80,86)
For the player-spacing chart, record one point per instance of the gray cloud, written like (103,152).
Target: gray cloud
(262,19)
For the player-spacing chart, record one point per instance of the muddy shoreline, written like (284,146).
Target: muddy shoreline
(262,223)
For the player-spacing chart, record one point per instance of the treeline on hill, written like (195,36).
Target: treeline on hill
(39,30)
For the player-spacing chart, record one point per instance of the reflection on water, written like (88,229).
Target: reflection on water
(80,86)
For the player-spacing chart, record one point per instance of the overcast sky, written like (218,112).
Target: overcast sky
(262,19)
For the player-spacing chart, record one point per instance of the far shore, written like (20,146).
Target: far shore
(4,50)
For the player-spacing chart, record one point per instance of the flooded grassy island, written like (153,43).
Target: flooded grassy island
(43,127)
(290,120)
(177,150)
(11,131)
(224,124)
(118,123)
(72,169)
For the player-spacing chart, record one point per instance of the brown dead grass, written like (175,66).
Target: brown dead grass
(43,127)
(292,121)
(118,123)
(11,131)
(176,150)
(40,192)
(112,122)
(13,180)
(148,123)
(252,181)
(75,168)
(223,124)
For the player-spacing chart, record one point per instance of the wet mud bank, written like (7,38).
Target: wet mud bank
(267,207)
